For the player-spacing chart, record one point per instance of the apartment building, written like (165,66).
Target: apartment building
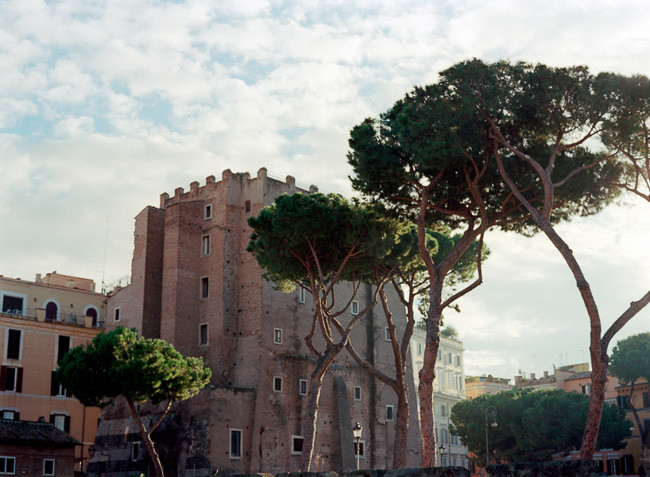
(40,321)
(194,285)
(448,389)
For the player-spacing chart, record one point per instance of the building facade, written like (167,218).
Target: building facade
(633,455)
(448,389)
(476,386)
(41,321)
(194,285)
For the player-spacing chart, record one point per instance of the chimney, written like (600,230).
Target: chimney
(532,376)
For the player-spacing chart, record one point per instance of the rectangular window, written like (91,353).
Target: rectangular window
(57,388)
(586,389)
(60,421)
(443,433)
(116,314)
(205,245)
(458,360)
(357,393)
(203,334)
(439,355)
(247,206)
(361,450)
(135,450)
(354,308)
(277,384)
(11,379)
(48,467)
(297,444)
(7,465)
(9,415)
(646,399)
(277,335)
(205,287)
(208,211)
(13,305)
(443,410)
(235,443)
(64,347)
(302,387)
(301,295)
(419,349)
(13,346)
(387,331)
(389,412)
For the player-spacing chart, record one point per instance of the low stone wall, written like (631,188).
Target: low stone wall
(426,472)
(575,468)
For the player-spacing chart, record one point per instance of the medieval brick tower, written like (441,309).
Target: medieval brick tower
(194,285)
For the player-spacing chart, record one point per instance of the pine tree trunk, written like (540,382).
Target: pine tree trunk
(599,365)
(427,375)
(311,411)
(401,431)
(148,443)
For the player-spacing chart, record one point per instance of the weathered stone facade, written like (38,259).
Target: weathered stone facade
(195,285)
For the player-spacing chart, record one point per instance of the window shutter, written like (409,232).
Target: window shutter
(51,418)
(3,377)
(19,380)
(17,416)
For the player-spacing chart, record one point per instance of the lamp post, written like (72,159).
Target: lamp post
(489,411)
(356,432)
(442,452)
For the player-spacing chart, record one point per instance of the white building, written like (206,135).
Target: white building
(448,389)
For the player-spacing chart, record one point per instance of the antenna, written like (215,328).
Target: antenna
(108,220)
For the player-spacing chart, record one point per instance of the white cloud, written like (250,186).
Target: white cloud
(105,105)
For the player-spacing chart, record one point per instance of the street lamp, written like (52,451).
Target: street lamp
(442,452)
(489,411)
(356,432)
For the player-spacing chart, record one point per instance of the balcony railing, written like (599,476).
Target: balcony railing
(64,318)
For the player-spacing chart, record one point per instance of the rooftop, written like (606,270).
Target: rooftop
(38,433)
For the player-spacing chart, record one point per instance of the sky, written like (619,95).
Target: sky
(104,105)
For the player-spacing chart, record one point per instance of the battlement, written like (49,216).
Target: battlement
(197,192)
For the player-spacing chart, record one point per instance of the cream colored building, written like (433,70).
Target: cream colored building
(448,389)
(39,322)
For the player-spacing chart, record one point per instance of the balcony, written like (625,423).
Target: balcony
(38,314)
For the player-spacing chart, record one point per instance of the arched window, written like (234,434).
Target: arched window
(92,312)
(51,310)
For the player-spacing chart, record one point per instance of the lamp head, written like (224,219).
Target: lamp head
(356,430)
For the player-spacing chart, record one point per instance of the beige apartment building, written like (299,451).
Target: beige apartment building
(39,322)
(194,285)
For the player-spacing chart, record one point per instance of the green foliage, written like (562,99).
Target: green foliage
(120,363)
(533,425)
(630,359)
(323,238)
(449,332)
(442,132)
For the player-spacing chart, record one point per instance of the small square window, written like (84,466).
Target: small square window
(247,206)
(116,314)
(235,443)
(302,387)
(203,334)
(208,211)
(277,335)
(205,287)
(297,443)
(389,412)
(301,295)
(7,465)
(205,245)
(387,331)
(357,393)
(361,450)
(9,415)
(277,384)
(354,308)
